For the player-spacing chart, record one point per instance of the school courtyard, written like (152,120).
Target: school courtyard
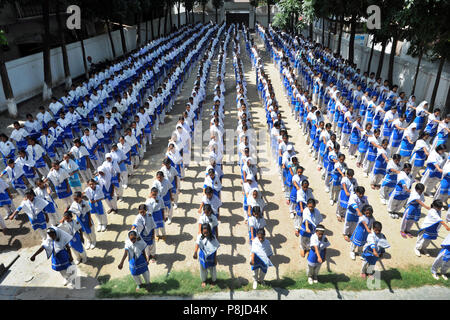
(176,272)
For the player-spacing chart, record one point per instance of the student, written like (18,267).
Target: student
(420,154)
(36,154)
(356,202)
(73,228)
(255,222)
(5,201)
(317,253)
(213,181)
(362,230)
(59,178)
(379,168)
(56,245)
(137,260)
(28,167)
(297,181)
(105,181)
(430,228)
(303,196)
(433,172)
(165,191)
(311,218)
(413,212)
(373,145)
(373,250)
(348,185)
(210,198)
(208,245)
(254,200)
(7,149)
(81,156)
(208,217)
(91,143)
(82,210)
(145,227)
(261,252)
(43,191)
(172,175)
(34,208)
(72,169)
(390,179)
(401,192)
(95,196)
(442,261)
(15,176)
(155,206)
(336,176)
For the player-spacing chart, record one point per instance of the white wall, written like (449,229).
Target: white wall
(404,67)
(26,74)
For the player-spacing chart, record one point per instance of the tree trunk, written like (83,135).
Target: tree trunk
(193,16)
(351,45)
(311,32)
(113,48)
(417,71)
(216,16)
(138,30)
(151,24)
(186,16)
(122,38)
(166,11)
(380,62)
(391,59)
(203,14)
(436,84)
(170,18)
(159,25)
(7,89)
(329,35)
(67,76)
(47,88)
(371,55)
(341,29)
(178,10)
(323,32)
(146,31)
(83,52)
(268,13)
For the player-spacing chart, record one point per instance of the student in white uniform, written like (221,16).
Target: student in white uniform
(16,176)
(138,262)
(442,262)
(73,227)
(210,218)
(82,210)
(317,254)
(260,255)
(311,219)
(145,227)
(6,202)
(208,245)
(43,191)
(155,207)
(59,177)
(95,196)
(34,208)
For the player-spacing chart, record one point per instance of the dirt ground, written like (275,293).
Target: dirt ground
(233,255)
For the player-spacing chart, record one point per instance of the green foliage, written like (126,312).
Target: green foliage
(3,40)
(217,4)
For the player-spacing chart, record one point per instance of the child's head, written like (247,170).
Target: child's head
(256,211)
(407,168)
(311,204)
(29,195)
(300,170)
(142,209)
(77,196)
(206,230)
(360,190)
(320,230)
(92,184)
(154,192)
(377,226)
(350,173)
(207,209)
(437,205)
(68,216)
(420,188)
(305,185)
(341,158)
(160,176)
(367,210)
(132,235)
(261,234)
(396,158)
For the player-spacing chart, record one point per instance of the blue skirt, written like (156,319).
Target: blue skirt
(148,238)
(138,266)
(39,222)
(158,217)
(60,261)
(5,199)
(359,236)
(61,190)
(84,222)
(96,208)
(207,261)
(74,181)
(259,264)
(76,244)
(413,211)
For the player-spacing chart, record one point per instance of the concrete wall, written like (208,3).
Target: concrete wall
(27,76)
(404,66)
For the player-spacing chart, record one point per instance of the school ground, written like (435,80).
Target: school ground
(28,280)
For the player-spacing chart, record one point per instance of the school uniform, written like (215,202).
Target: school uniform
(27,165)
(431,176)
(74,179)
(351,215)
(53,216)
(377,242)
(36,153)
(207,255)
(359,236)
(350,184)
(314,218)
(91,143)
(16,177)
(7,150)
(59,179)
(263,252)
(313,263)
(419,157)
(108,186)
(145,227)
(82,211)
(389,181)
(211,220)
(73,228)
(429,230)
(442,262)
(5,201)
(20,138)
(97,207)
(35,210)
(136,260)
(56,249)
(81,155)
(155,207)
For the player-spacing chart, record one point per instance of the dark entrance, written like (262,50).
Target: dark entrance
(237,17)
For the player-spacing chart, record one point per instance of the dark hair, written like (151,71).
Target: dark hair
(142,206)
(437,204)
(360,189)
(154,189)
(261,231)
(77,194)
(396,157)
(407,166)
(377,225)
(367,207)
(419,187)
(207,226)
(311,201)
(351,172)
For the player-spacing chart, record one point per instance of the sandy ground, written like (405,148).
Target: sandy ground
(176,252)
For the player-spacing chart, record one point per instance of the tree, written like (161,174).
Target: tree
(269,4)
(203,3)
(254,4)
(189,6)
(217,4)
(62,39)
(47,87)
(7,89)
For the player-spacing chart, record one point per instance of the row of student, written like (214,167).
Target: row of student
(111,174)
(149,225)
(354,118)
(253,204)
(38,208)
(340,180)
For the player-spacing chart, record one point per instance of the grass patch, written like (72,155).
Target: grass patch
(186,283)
